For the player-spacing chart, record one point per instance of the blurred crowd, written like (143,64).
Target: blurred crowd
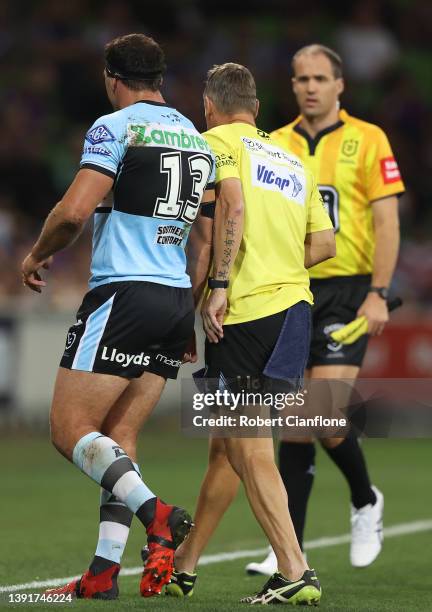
(51,60)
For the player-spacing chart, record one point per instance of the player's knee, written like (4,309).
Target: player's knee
(65,435)
(217,452)
(59,438)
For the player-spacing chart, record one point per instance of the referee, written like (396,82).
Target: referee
(359,181)
(270,225)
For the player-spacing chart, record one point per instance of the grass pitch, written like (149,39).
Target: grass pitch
(49,516)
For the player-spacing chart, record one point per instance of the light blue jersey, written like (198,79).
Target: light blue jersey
(161,166)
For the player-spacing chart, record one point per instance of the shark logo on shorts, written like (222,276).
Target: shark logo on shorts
(70,339)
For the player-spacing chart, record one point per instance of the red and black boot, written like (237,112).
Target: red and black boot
(165,532)
(102,585)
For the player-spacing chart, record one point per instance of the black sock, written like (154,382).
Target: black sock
(99,565)
(297,469)
(146,512)
(350,459)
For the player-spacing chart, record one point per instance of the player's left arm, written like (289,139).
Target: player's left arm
(383,184)
(199,246)
(199,253)
(65,223)
(386,233)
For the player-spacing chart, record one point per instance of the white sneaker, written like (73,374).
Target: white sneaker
(367,531)
(267,567)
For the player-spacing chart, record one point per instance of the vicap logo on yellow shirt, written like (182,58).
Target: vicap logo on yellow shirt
(272,169)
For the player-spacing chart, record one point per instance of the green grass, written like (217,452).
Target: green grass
(49,514)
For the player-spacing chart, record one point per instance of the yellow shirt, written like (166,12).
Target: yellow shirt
(353,165)
(282,205)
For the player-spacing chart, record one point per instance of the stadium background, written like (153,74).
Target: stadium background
(51,91)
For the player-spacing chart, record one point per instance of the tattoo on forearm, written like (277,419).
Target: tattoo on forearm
(224,268)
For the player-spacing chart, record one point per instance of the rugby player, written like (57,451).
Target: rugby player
(270,224)
(143,172)
(359,181)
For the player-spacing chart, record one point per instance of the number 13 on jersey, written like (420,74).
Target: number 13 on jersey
(184,189)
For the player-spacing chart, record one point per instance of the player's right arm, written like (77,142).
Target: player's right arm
(319,242)
(65,223)
(384,184)
(102,154)
(227,236)
(228,226)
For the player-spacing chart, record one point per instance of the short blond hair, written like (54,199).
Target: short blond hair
(231,87)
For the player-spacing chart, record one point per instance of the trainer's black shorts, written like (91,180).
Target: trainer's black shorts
(129,327)
(336,301)
(276,346)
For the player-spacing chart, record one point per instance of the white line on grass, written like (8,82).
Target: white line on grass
(389,532)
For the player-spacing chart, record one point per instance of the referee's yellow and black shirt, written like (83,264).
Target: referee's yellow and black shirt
(282,205)
(354,165)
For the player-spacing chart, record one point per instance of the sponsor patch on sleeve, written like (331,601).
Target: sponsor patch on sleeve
(100,133)
(389,170)
(97,151)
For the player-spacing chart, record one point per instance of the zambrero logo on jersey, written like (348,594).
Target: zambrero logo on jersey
(124,358)
(174,363)
(176,137)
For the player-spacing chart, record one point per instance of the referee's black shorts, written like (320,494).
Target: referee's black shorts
(130,327)
(336,301)
(262,351)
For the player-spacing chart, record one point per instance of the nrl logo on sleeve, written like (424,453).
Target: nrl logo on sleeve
(100,133)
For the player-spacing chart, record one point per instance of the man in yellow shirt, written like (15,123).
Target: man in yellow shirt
(270,225)
(359,181)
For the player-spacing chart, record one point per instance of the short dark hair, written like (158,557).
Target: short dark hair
(231,87)
(137,60)
(316,49)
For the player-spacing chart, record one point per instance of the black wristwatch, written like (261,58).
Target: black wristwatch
(213,283)
(383,292)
